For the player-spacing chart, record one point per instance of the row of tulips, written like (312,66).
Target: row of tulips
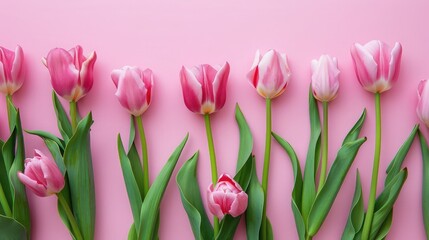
(69,173)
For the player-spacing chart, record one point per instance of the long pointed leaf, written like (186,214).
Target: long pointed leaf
(10,229)
(4,180)
(357,213)
(150,207)
(46,135)
(246,139)
(63,121)
(137,168)
(425,190)
(255,205)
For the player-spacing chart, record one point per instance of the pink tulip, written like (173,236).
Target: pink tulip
(270,74)
(71,72)
(377,65)
(324,80)
(11,70)
(423,103)
(204,87)
(134,88)
(226,197)
(42,175)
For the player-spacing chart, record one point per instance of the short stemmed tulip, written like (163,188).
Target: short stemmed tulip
(71,75)
(134,92)
(270,76)
(377,69)
(44,178)
(204,92)
(325,84)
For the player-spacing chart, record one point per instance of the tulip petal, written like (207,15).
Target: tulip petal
(38,189)
(86,72)
(365,65)
(239,205)
(17,71)
(147,77)
(192,90)
(131,91)
(219,86)
(395,62)
(3,82)
(253,73)
(214,207)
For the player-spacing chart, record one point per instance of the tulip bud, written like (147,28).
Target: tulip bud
(423,102)
(376,65)
(270,74)
(324,80)
(133,88)
(71,72)
(226,197)
(11,70)
(42,175)
(204,87)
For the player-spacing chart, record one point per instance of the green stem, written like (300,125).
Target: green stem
(308,237)
(212,163)
(324,147)
(73,115)
(373,192)
(9,111)
(4,203)
(266,166)
(144,154)
(70,217)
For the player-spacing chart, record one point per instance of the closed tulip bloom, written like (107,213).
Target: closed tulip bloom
(270,74)
(376,65)
(71,72)
(133,88)
(11,70)
(423,102)
(226,197)
(204,87)
(42,175)
(324,79)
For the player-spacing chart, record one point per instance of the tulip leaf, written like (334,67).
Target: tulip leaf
(11,229)
(63,121)
(385,227)
(134,194)
(357,212)
(297,188)
(65,192)
(270,235)
(8,150)
(132,234)
(246,139)
(396,163)
(191,199)
(4,179)
(12,113)
(255,205)
(78,161)
(50,136)
(132,135)
(312,161)
(55,146)
(136,167)
(425,190)
(386,200)
(150,208)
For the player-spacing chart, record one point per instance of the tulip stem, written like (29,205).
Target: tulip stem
(266,166)
(9,111)
(212,163)
(373,191)
(4,203)
(144,154)
(70,216)
(324,147)
(73,115)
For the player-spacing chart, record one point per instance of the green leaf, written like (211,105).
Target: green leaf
(296,202)
(132,234)
(78,161)
(255,205)
(12,112)
(246,139)
(4,180)
(386,200)
(312,161)
(228,226)
(329,191)
(10,229)
(191,199)
(270,235)
(357,213)
(396,163)
(66,194)
(353,134)
(8,150)
(425,190)
(50,136)
(150,207)
(385,227)
(137,168)
(133,191)
(21,211)
(63,121)
(132,135)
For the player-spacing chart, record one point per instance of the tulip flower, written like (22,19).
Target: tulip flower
(42,175)
(11,70)
(204,87)
(226,197)
(270,74)
(377,69)
(376,65)
(325,84)
(423,102)
(134,88)
(71,72)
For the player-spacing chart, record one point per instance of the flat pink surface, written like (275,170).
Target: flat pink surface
(164,35)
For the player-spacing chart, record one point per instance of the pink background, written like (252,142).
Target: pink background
(163,35)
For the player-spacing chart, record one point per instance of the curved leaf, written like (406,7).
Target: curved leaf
(385,227)
(246,139)
(357,213)
(191,199)
(150,207)
(425,190)
(46,135)
(10,229)
(62,120)
(255,205)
